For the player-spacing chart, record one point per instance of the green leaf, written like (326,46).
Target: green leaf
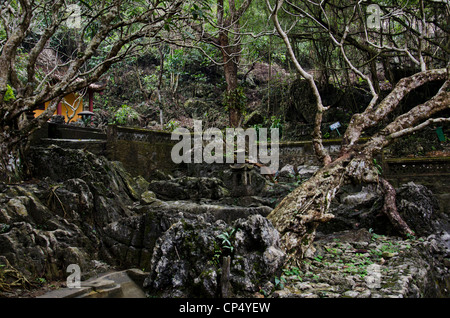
(9,95)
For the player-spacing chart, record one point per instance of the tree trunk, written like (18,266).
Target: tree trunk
(233,100)
(299,213)
(230,68)
(11,165)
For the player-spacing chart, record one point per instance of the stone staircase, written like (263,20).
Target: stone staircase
(72,137)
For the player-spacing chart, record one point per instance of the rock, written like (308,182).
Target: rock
(57,221)
(193,188)
(306,171)
(196,108)
(253,119)
(418,208)
(390,267)
(388,254)
(243,180)
(365,196)
(350,294)
(186,260)
(286,174)
(148,197)
(141,185)
(122,284)
(360,206)
(288,169)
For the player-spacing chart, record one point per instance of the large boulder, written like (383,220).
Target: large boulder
(192,188)
(360,206)
(419,208)
(56,219)
(39,242)
(187,258)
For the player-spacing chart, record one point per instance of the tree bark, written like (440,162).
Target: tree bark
(10,160)
(230,68)
(299,214)
(390,209)
(372,116)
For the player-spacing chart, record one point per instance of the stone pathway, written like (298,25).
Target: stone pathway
(373,267)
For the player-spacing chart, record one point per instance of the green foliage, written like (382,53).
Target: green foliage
(226,238)
(124,115)
(225,247)
(235,99)
(175,62)
(276,123)
(279,282)
(378,167)
(9,95)
(293,271)
(171,125)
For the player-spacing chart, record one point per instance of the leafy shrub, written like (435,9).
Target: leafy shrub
(171,125)
(9,95)
(125,115)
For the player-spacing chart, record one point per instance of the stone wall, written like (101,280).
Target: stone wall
(141,151)
(144,151)
(432,172)
(70,136)
(298,153)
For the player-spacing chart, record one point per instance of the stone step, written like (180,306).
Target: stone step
(122,284)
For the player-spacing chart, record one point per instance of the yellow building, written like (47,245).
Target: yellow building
(72,104)
(69,107)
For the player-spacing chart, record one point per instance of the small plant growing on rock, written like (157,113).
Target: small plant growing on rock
(225,248)
(226,238)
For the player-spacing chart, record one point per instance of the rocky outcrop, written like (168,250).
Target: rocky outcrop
(360,206)
(58,220)
(83,209)
(187,258)
(189,188)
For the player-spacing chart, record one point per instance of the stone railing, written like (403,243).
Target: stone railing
(142,151)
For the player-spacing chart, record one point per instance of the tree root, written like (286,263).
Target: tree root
(390,209)
(12,278)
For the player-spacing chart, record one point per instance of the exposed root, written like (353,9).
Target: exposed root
(390,209)
(11,278)
(51,200)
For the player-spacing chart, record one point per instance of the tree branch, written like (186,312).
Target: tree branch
(321,153)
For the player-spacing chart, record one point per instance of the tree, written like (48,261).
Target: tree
(412,34)
(228,39)
(218,23)
(104,31)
